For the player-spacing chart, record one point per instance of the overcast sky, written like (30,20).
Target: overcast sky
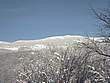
(36,19)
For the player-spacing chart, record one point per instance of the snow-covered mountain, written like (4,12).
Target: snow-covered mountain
(44,43)
(2,42)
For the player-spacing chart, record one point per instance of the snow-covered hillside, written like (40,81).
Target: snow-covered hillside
(44,43)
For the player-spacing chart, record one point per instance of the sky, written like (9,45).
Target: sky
(36,19)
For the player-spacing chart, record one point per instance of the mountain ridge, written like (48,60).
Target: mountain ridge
(51,37)
(43,43)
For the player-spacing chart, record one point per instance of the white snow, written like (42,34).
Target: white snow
(37,44)
(12,49)
(2,42)
(62,37)
(32,53)
(100,39)
(56,53)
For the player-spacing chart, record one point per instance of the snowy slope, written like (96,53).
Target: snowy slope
(44,43)
(2,42)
